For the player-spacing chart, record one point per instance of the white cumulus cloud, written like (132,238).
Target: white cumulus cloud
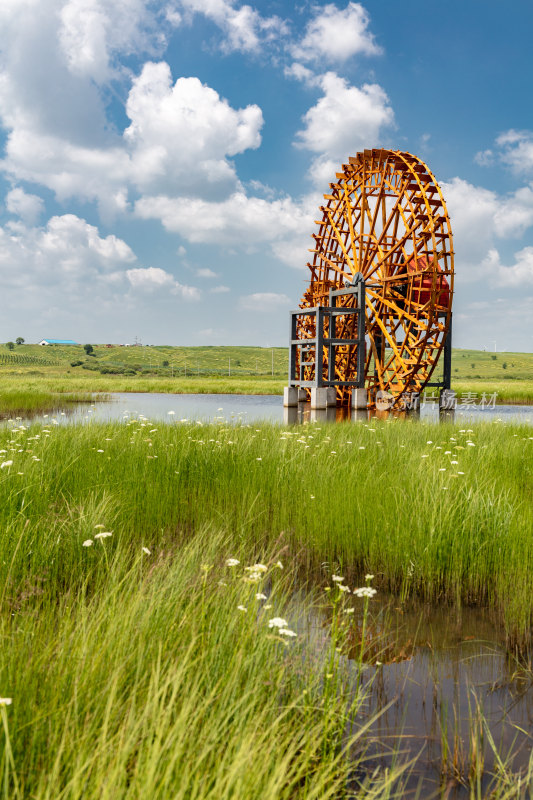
(179,140)
(336,34)
(344,120)
(154,278)
(181,134)
(239,221)
(28,207)
(244,28)
(264,301)
(92,32)
(517,275)
(513,148)
(66,252)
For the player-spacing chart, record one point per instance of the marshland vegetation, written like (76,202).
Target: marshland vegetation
(139,662)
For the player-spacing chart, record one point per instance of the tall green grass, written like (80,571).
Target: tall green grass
(91,382)
(31,400)
(163,679)
(436,511)
(131,668)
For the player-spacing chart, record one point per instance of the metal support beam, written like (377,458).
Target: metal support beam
(447,358)
(321,369)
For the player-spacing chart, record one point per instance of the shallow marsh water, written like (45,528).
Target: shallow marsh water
(440,682)
(253,408)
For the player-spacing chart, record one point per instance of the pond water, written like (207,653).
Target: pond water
(254,408)
(439,684)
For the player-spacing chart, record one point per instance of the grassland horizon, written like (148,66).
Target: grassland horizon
(221,370)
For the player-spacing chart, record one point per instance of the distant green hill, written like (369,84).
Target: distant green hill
(161,359)
(216,360)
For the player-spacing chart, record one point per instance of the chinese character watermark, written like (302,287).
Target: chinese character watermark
(467,400)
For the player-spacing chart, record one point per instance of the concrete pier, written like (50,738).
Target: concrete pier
(290,396)
(323,397)
(359,398)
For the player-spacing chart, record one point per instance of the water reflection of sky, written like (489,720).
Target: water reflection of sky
(254,408)
(431,675)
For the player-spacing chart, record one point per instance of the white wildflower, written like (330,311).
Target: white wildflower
(232,562)
(256,568)
(277,622)
(148,552)
(242,608)
(343,588)
(87,543)
(5,701)
(337,578)
(369,577)
(260,596)
(287,632)
(5,464)
(278,564)
(365,591)
(253,577)
(103,534)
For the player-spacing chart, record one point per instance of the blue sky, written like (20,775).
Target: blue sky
(161,163)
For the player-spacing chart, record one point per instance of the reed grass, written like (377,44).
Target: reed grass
(32,399)
(94,383)
(437,511)
(131,668)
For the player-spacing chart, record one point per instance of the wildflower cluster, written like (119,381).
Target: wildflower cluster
(364,591)
(254,575)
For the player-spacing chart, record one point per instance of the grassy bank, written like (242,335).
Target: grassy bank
(117,383)
(140,665)
(512,392)
(34,399)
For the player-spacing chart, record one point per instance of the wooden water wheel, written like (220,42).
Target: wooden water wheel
(385,217)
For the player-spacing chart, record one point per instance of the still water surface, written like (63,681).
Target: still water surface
(253,408)
(440,683)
